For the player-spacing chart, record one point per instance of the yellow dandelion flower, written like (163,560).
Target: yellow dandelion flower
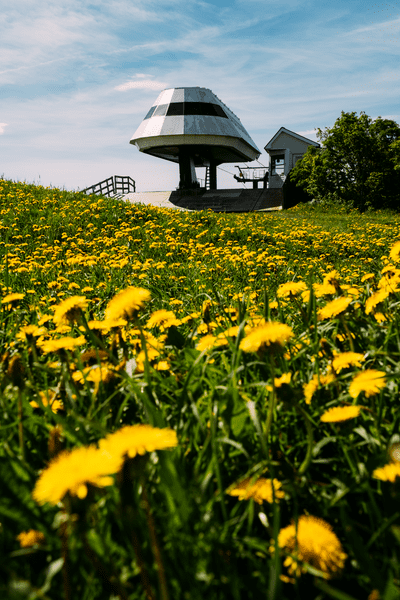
(138,439)
(340,413)
(347,359)
(206,343)
(259,490)
(63,329)
(352,291)
(311,387)
(369,381)
(272,333)
(375,299)
(332,278)
(334,308)
(30,538)
(126,304)
(69,310)
(330,285)
(163,365)
(72,470)
(11,298)
(48,399)
(315,544)
(30,331)
(395,252)
(367,276)
(231,332)
(176,302)
(290,289)
(324,289)
(388,473)
(202,328)
(285,378)
(390,279)
(65,343)
(95,374)
(166,318)
(380,317)
(106,325)
(45,319)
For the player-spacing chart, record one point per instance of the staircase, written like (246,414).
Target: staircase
(207,181)
(113,187)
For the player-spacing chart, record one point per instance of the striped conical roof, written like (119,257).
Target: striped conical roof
(194,117)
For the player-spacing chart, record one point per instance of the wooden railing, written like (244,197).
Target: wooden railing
(118,185)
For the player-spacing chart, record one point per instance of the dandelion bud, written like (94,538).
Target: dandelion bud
(55,440)
(16,371)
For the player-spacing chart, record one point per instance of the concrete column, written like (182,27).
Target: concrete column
(213,175)
(187,170)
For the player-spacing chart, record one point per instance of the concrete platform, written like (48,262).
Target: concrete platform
(231,200)
(160,199)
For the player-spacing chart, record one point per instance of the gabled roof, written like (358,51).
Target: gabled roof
(293,134)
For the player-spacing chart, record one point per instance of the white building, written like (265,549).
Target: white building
(285,149)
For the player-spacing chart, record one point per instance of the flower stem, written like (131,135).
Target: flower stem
(65,557)
(162,580)
(108,579)
(20,426)
(348,333)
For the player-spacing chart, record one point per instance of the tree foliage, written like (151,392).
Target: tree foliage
(358,163)
(292,193)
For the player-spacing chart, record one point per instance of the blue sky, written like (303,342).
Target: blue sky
(77,77)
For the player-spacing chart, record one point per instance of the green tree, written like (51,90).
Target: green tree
(358,163)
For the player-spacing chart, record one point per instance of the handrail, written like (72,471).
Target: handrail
(251,173)
(124,184)
(117,184)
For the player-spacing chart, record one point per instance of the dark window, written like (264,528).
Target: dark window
(149,114)
(160,110)
(219,111)
(175,109)
(199,108)
(195,108)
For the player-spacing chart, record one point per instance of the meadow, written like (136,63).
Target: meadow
(196,404)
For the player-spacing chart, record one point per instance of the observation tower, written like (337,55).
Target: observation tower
(193,127)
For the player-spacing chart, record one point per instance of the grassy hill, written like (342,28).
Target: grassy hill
(197,403)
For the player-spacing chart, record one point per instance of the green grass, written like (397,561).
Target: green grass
(232,418)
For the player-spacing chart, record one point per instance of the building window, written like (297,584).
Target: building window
(278,164)
(187,108)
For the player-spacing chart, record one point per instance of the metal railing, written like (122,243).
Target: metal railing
(117,185)
(252,173)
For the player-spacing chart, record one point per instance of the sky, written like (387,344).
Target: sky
(77,77)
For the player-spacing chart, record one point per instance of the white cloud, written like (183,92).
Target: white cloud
(146,84)
(310,133)
(2,127)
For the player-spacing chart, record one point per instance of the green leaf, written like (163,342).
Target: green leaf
(319,445)
(238,421)
(53,568)
(331,591)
